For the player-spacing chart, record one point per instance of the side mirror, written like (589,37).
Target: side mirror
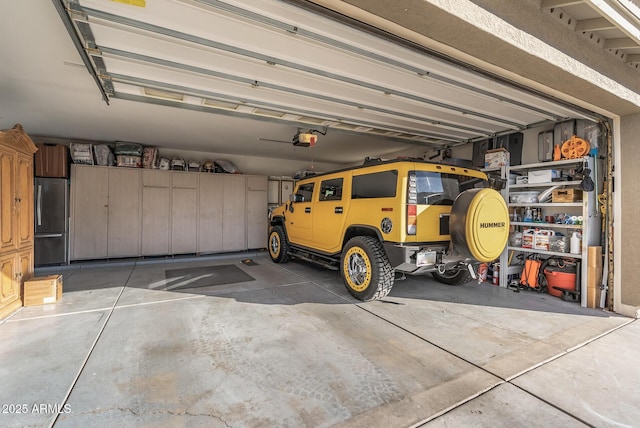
(296,197)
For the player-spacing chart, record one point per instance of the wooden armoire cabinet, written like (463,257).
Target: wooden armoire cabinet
(16,216)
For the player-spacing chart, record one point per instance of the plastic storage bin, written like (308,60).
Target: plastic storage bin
(523,197)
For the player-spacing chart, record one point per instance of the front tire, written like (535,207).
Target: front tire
(278,245)
(458,276)
(365,269)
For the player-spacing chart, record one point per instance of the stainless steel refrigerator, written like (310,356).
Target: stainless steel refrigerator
(51,221)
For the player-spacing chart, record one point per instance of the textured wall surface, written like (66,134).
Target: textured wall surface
(524,40)
(630,135)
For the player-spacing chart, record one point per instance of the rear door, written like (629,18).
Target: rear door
(299,215)
(329,211)
(435,195)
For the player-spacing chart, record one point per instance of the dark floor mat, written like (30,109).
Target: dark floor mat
(207,276)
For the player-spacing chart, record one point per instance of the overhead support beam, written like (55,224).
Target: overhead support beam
(548,4)
(594,24)
(624,19)
(632,59)
(622,43)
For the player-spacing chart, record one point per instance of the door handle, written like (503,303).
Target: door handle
(39,207)
(338,210)
(49,235)
(307,210)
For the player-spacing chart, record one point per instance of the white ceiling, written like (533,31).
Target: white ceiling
(228,76)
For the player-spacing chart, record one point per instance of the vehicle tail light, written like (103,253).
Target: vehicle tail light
(412,207)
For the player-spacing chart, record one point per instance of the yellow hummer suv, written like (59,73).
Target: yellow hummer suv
(405,216)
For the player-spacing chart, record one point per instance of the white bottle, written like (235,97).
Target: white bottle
(576,244)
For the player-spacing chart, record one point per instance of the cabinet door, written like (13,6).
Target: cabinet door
(273,192)
(184,212)
(210,208)
(24,195)
(9,284)
(124,212)
(234,215)
(286,189)
(257,212)
(25,265)
(90,192)
(156,212)
(7,200)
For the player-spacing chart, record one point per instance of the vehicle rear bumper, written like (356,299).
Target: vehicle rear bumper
(403,258)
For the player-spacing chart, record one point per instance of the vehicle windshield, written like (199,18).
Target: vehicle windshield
(435,188)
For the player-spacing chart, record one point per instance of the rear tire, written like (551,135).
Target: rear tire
(278,245)
(459,276)
(365,269)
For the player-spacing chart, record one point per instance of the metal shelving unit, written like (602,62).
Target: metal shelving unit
(588,209)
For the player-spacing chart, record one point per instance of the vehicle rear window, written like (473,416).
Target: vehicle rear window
(375,185)
(435,188)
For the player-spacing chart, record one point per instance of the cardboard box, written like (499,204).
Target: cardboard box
(593,297)
(566,195)
(496,158)
(43,290)
(543,176)
(594,281)
(594,257)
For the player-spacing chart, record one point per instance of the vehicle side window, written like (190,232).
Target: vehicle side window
(331,190)
(306,190)
(376,185)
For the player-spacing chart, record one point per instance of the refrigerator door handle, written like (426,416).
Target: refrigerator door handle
(39,205)
(49,235)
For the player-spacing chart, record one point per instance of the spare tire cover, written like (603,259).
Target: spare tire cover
(479,224)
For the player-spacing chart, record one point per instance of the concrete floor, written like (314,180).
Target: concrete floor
(292,348)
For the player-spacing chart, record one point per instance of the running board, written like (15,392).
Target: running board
(319,259)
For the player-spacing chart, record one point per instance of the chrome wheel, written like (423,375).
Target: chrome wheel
(357,269)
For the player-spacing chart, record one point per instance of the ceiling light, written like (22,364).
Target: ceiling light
(165,95)
(220,104)
(270,113)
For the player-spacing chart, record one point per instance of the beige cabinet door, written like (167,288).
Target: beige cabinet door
(24,195)
(156,212)
(8,202)
(210,209)
(124,212)
(90,193)
(184,212)
(257,212)
(234,236)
